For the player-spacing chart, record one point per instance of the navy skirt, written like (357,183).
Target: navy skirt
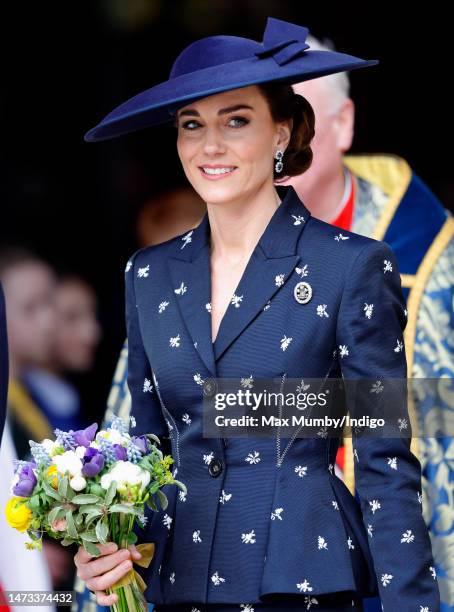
(336,602)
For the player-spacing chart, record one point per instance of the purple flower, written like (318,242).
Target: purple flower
(120,452)
(93,462)
(83,437)
(27,481)
(142,443)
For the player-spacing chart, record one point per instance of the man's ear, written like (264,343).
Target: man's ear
(345,125)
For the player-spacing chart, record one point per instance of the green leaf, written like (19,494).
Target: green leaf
(111,491)
(124,509)
(88,508)
(131,538)
(151,504)
(102,531)
(51,492)
(90,536)
(56,513)
(86,498)
(72,531)
(33,502)
(91,548)
(63,486)
(67,541)
(162,499)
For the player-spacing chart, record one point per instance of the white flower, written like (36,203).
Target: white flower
(375,505)
(113,435)
(247,383)
(236,299)
(143,272)
(77,483)
(370,530)
(343,350)
(321,310)
(216,579)
(392,462)
(187,239)
(298,219)
(68,462)
(181,289)
(248,538)
(126,474)
(128,266)
(301,470)
(279,280)
(335,504)
(351,546)
(322,543)
(407,537)
(208,306)
(285,342)
(388,266)
(433,572)
(147,386)
(277,514)
(175,341)
(253,457)
(304,586)
(196,536)
(340,237)
(162,306)
(386,579)
(302,271)
(368,310)
(399,346)
(225,497)
(50,446)
(198,379)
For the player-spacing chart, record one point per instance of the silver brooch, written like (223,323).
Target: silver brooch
(302,292)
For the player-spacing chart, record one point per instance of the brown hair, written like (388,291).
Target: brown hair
(285,104)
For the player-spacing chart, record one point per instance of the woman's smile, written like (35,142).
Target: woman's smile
(216,172)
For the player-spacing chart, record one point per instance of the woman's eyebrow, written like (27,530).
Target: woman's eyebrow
(221,111)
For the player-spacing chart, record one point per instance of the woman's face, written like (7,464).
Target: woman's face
(233,134)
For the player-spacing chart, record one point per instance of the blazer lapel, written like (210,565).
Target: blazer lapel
(269,267)
(191,265)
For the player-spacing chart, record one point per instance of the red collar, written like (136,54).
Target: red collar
(345,217)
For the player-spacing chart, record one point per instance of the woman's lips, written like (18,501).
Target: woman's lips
(216,177)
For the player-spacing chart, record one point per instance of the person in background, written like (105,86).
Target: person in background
(3,362)
(380,196)
(162,217)
(3,378)
(29,284)
(75,339)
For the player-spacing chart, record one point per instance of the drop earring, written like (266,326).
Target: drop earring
(278,165)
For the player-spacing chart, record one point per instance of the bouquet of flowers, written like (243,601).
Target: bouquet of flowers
(88,488)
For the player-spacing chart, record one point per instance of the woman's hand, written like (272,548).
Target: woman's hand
(101,573)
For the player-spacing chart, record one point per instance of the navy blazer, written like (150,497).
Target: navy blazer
(3,362)
(259,519)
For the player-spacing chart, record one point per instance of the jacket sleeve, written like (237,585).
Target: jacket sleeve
(145,404)
(370,345)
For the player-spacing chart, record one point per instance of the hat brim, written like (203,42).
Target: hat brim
(156,105)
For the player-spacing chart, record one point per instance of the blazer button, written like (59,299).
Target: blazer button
(215,468)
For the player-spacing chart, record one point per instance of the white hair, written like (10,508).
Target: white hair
(338,83)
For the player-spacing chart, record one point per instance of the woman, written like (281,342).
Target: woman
(260,289)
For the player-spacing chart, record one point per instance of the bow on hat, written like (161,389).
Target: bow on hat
(283,40)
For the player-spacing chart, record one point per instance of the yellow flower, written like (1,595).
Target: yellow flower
(52,469)
(18,514)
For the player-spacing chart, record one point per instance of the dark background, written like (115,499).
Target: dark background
(67,64)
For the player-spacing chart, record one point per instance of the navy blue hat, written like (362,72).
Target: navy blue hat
(219,63)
